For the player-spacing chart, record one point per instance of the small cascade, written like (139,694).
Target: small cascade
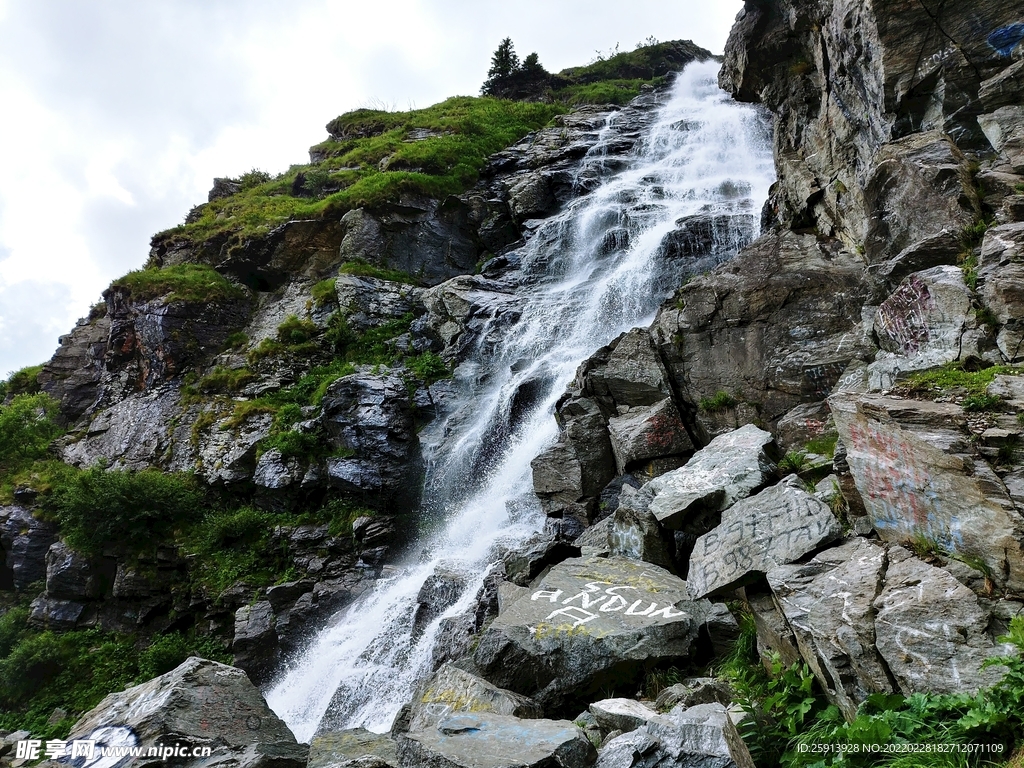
(686,198)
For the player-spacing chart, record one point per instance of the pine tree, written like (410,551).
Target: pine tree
(504,61)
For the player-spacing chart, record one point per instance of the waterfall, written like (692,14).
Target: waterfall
(685,198)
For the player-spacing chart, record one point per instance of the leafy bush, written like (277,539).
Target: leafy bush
(253,178)
(27,428)
(130,510)
(168,651)
(196,283)
(236,546)
(23,382)
(40,671)
(294,331)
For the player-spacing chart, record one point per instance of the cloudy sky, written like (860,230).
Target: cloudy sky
(118,113)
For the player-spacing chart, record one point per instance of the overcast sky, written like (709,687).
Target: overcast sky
(117,114)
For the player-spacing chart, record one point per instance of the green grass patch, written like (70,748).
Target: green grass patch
(720,401)
(823,446)
(195,283)
(951,378)
(370,163)
(613,91)
(236,340)
(221,380)
(361,268)
(324,292)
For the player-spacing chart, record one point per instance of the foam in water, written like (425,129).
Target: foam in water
(588,274)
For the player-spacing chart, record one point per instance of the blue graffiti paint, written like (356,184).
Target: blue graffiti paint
(1005,39)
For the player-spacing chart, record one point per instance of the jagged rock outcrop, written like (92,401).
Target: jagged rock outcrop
(24,542)
(845,78)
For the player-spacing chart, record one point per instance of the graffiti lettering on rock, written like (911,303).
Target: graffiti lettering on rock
(597,597)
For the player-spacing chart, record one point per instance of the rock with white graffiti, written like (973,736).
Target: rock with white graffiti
(919,477)
(777,526)
(869,618)
(589,624)
(207,712)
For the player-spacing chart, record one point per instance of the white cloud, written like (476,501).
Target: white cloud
(119,114)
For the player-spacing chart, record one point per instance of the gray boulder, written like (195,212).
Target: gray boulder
(920,185)
(1004,128)
(777,526)
(490,740)
(729,468)
(202,704)
(931,630)
(648,432)
(371,417)
(70,576)
(369,302)
(699,737)
(620,714)
(588,623)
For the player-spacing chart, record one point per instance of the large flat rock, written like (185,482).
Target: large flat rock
(589,623)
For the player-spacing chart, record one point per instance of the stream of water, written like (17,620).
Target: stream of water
(586,275)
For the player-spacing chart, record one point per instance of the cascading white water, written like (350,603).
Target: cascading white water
(586,275)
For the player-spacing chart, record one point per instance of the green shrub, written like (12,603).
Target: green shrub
(23,382)
(13,627)
(236,340)
(253,178)
(236,545)
(195,283)
(792,462)
(295,331)
(718,402)
(132,511)
(27,428)
(168,651)
(982,402)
